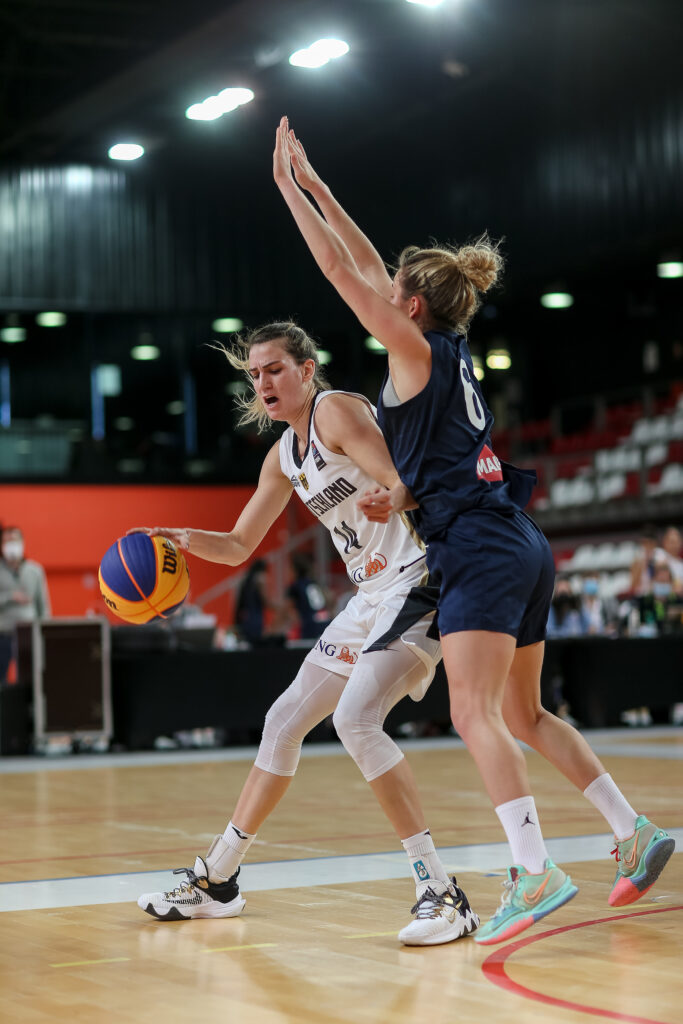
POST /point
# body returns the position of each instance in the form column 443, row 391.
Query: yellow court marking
column 370, row 935
column 83, row 963
column 225, row 949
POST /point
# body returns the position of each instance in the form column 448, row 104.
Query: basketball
column 143, row 578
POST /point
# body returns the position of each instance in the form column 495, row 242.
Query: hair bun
column 480, row 262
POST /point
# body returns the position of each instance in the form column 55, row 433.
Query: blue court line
column 305, row 873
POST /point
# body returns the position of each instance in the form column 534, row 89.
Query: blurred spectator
column 24, row 596
column 670, row 553
column 599, row 615
column 643, row 567
column 252, row 602
column 566, row 616
column 660, row 610
column 308, row 599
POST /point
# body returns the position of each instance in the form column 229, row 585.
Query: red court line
column 494, row 969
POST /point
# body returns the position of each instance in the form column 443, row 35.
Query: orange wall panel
column 68, row 528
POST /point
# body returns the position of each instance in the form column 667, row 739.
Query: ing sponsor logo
column 330, row 650
column 376, row 564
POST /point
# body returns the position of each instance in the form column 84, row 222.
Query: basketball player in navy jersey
column 494, row 565
column 374, row 653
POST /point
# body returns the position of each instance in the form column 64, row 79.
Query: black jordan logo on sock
column 242, row 835
column 527, row 821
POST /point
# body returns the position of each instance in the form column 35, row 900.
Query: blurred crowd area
column 632, row 588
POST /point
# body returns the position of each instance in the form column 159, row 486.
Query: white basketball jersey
column 377, row 555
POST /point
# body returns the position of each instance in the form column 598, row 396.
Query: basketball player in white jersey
column 374, row 653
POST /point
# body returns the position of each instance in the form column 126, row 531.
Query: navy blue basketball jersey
column 440, row 442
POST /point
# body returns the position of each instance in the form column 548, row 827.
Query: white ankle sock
column 424, row 860
column 520, row 821
column 227, row 852
column 606, row 796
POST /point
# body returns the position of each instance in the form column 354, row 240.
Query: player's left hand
column 376, row 505
column 282, row 160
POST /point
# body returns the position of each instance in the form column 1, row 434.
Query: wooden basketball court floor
column 327, row 889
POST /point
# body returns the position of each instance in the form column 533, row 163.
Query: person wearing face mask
column 658, row 608
column 24, row 595
column 566, row 617
column 598, row 616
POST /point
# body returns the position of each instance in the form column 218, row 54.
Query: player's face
column 406, row 303
column 280, row 382
column 398, row 299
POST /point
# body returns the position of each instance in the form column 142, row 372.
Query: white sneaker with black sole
column 196, row 896
column 440, row 916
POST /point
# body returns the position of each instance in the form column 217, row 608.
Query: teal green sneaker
column 526, row 899
column 640, row 861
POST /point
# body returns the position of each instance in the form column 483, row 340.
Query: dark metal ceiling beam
column 186, row 56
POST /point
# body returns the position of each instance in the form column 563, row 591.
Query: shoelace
column 509, row 886
column 615, row 853
column 185, row 886
column 429, row 902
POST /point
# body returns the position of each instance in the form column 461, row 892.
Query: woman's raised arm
column 410, row 354
column 367, row 259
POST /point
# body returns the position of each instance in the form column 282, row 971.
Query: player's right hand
column 306, row 177
column 179, row 535
column 376, row 505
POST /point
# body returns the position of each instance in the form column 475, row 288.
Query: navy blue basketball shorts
column 496, row 573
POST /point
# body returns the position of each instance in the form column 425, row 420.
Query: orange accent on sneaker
column 535, row 896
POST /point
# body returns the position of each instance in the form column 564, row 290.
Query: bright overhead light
column 478, row 367
column 126, row 151
column 145, row 352
column 176, row 407
column 50, row 319
column 319, row 53
column 214, row 107
column 373, row 344
column 202, row 112
column 232, row 98
column 670, row 269
column 124, row 423
column 498, row 359
column 12, row 334
column 236, row 387
column 557, row 300
column 426, row 3
column 324, row 357
column 225, row 324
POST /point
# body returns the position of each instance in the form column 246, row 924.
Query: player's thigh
column 379, row 680
column 477, row 664
column 340, row 645
column 310, row 697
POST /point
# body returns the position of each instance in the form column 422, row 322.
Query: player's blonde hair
column 295, row 342
column 450, row 279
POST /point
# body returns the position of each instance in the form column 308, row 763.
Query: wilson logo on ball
column 143, row 578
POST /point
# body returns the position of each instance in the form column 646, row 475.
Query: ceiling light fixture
column 225, row 324
column 214, row 107
column 557, row 300
column 12, row 334
column 374, row 345
column 498, row 359
column 670, row 269
column 319, row 53
column 144, row 353
column 50, row 319
column 126, row 151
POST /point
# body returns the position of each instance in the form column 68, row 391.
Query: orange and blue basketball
column 143, row 578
